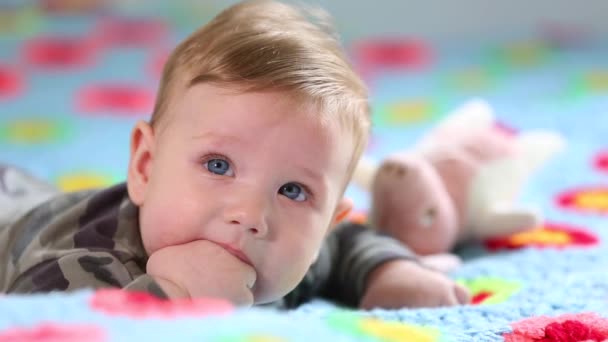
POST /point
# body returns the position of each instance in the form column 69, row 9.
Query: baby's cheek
column 299, row 262
column 163, row 225
column 282, row 273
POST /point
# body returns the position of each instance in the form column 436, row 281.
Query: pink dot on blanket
column 11, row 82
column 115, row 99
column 59, row 52
column 392, row 53
column 54, row 332
column 601, row 161
column 143, row 305
column 130, row 31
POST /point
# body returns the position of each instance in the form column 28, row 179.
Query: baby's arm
column 360, row 267
column 397, row 284
column 83, row 269
column 350, row 252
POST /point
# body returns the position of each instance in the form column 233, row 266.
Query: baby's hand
column 202, row 269
column 403, row 283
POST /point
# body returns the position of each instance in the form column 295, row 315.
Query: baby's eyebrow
column 312, row 174
column 318, row 180
column 217, row 137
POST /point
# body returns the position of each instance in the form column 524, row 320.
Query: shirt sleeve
column 79, row 270
column 349, row 254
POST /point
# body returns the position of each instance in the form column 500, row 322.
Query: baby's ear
column 343, row 209
column 140, row 162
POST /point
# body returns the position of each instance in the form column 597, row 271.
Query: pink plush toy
column 460, row 182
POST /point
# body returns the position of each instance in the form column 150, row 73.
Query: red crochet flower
column 53, row 332
column 588, row 327
column 549, row 235
column 585, row 200
column 142, row 305
column 571, row 331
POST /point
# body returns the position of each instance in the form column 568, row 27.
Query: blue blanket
column 71, row 88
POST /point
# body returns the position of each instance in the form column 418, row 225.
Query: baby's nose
column 257, row 229
column 249, row 215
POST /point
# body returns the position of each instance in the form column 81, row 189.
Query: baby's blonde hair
column 265, row 46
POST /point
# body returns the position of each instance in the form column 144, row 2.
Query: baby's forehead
column 240, row 107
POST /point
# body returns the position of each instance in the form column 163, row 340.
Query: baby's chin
column 264, row 295
column 267, row 291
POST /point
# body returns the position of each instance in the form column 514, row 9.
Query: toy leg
column 503, row 221
column 493, row 192
column 536, row 147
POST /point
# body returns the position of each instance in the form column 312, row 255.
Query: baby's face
column 251, row 171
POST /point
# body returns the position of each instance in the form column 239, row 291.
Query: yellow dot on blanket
column 597, row 80
column 585, row 199
column 32, row 131
column 398, row 332
column 406, row 112
column 596, row 199
column 471, row 79
column 381, row 331
column 553, row 235
column 83, row 181
column 541, row 236
column 527, row 53
column 23, row 20
column 489, row 290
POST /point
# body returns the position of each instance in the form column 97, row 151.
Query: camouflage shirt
column 91, row 239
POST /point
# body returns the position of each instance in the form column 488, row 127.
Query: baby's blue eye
column 219, row 167
column 293, row 191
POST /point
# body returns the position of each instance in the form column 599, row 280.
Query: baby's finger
column 449, row 299
column 462, row 294
column 243, row 298
column 251, row 277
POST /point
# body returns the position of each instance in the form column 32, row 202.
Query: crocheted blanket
column 71, row 87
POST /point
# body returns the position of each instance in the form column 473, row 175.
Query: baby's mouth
column 237, row 253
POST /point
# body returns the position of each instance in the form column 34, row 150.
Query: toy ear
column 402, row 165
column 396, row 168
column 364, row 173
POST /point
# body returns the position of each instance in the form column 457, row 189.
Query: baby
column 234, row 185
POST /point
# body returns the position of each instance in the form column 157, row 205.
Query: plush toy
column 461, row 181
